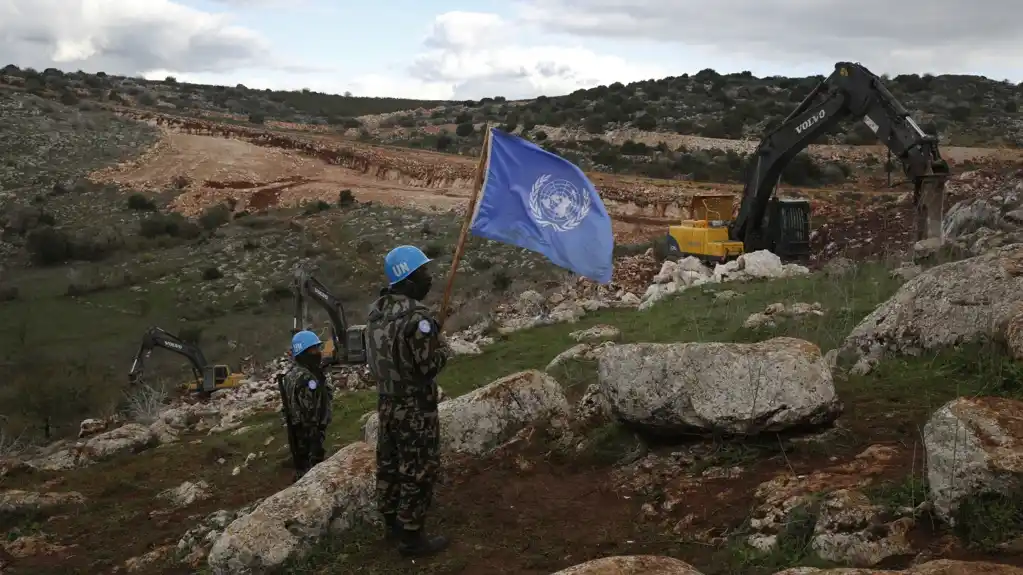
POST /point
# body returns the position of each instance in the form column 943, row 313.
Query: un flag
column 540, row 201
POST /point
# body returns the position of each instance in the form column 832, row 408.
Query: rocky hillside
column 300, row 106
column 690, row 127
column 964, row 110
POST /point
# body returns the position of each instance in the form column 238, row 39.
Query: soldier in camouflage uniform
column 308, row 399
column 405, row 352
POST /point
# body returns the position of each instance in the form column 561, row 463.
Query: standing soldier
column 405, row 352
column 308, row 400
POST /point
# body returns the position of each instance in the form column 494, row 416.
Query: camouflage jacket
column 309, row 397
column 403, row 345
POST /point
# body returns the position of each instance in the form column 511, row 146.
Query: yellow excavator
column 783, row 225
column 208, row 378
column 346, row 344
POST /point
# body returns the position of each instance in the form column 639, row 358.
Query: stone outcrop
column 333, row 497
column 718, row 387
column 483, row 419
column 947, row 305
column 974, row 446
column 632, row 565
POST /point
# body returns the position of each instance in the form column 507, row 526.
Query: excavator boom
column 851, row 91
column 347, row 341
column 207, row 377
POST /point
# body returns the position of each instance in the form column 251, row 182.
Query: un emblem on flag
column 558, row 204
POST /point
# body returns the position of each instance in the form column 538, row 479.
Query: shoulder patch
column 312, row 384
column 425, row 326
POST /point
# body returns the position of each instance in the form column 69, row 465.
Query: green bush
column 173, row 225
column 141, row 203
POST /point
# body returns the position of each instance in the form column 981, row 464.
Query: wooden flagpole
column 481, row 169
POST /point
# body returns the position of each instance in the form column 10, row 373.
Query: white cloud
column 123, row 36
column 966, row 36
column 470, row 55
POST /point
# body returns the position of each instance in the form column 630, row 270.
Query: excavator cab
column 216, row 377
column 788, row 227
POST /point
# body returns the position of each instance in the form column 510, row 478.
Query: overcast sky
column 442, row 49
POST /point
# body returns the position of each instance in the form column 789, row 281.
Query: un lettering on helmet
column 400, row 268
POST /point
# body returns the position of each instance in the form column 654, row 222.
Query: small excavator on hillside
column 782, row 226
column 351, row 350
column 208, row 378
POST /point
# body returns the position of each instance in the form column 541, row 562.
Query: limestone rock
column 973, row 446
column 16, row 501
column 723, row 387
column 483, row 419
column 632, row 565
column 947, row 305
column 333, row 497
column 130, row 437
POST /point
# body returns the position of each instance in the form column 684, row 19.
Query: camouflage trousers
column 408, row 456
column 308, row 448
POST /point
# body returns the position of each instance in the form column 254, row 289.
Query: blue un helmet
column 302, row 341
column 402, row 261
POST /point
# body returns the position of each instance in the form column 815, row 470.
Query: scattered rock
column 778, row 311
column 130, row 437
column 719, row 387
column 853, row 531
column 187, row 493
column 17, row 502
column 596, row 333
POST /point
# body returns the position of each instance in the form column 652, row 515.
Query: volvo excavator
column 208, row 378
column 782, row 226
column 346, row 345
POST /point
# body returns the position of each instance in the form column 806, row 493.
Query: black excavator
column 208, row 378
column 351, row 350
column 782, row 226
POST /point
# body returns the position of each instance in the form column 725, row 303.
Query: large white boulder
column 722, row 387
column 632, row 565
column 944, row 306
column 973, row 446
column 332, row 497
column 130, row 437
column 485, row 418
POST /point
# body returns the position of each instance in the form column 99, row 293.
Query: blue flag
column 539, row 201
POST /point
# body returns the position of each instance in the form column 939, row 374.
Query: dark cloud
column 910, row 35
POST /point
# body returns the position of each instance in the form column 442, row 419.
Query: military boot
column 418, row 544
column 392, row 528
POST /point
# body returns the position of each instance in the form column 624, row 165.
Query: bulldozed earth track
column 257, row 169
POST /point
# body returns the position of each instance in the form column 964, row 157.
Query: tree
column 645, row 122
column 594, row 124
column 465, row 129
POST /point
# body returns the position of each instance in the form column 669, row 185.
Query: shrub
column 141, row 203
column 345, row 198
column 214, row 217
column 464, row 130
column 212, row 273
column 48, row 246
column 173, row 225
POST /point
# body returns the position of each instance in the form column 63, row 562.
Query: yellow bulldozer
column 705, row 234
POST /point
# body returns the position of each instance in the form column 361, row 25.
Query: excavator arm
column 851, row 91
column 156, row 337
column 308, row 287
